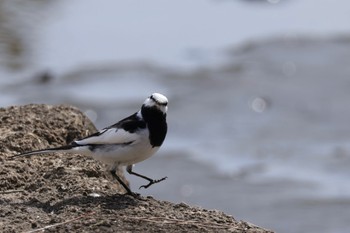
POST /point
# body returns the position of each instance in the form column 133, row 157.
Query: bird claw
column 152, row 182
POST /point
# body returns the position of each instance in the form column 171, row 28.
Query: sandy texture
column 71, row 193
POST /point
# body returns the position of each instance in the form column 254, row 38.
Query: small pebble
column 94, row 195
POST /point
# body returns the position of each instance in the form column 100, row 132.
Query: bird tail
column 68, row 148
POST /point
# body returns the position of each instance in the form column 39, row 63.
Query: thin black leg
column 151, row 181
column 114, row 174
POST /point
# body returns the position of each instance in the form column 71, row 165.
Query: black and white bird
column 125, row 143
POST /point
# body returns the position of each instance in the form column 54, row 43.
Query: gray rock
column 53, row 192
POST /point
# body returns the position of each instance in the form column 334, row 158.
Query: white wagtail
column 125, row 143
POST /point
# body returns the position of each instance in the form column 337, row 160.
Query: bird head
column 157, row 101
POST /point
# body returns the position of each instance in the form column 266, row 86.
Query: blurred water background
column 258, row 94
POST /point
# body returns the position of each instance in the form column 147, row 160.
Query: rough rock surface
column 72, row 193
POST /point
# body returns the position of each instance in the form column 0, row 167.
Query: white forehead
column 158, row 100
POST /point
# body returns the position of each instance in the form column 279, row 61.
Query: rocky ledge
column 72, row 193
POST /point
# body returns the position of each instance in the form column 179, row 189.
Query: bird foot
column 152, row 182
column 133, row 194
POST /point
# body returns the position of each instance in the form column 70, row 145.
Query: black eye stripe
column 152, row 98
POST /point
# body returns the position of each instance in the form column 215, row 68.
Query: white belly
column 114, row 148
column 120, row 154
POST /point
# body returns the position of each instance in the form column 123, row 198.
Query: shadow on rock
column 113, row 202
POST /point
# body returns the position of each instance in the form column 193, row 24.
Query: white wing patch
column 110, row 136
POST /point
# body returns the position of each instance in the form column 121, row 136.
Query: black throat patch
column 156, row 122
